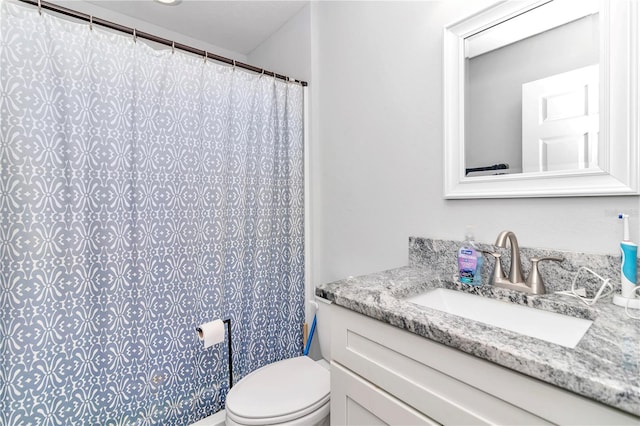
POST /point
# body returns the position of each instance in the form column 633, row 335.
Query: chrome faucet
column 516, row 281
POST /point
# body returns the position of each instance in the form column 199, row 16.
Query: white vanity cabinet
column 386, row 375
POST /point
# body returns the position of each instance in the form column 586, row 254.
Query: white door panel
column 560, row 121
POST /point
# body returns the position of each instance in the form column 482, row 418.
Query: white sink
column 550, row 326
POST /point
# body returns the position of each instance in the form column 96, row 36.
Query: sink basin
column 550, row 326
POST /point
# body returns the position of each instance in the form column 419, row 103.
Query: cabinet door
column 354, row 401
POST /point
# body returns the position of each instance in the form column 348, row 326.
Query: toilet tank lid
column 280, row 389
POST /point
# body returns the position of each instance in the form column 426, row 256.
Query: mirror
column 541, row 99
column 513, row 67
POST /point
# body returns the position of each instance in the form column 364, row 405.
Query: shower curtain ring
column 91, row 22
column 135, row 37
column 40, row 7
column 173, row 47
column 234, row 64
column 205, row 56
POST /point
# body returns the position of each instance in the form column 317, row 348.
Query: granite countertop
column 604, row 366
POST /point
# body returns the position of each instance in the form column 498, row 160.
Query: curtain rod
column 135, row 33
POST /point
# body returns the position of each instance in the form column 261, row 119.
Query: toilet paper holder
column 229, row 362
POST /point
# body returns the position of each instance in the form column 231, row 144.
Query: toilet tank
column 321, row 344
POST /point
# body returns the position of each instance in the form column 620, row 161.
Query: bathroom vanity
column 396, row 362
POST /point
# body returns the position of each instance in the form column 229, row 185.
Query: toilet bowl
column 293, row 391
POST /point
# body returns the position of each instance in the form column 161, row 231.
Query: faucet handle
column 534, row 281
column 498, row 273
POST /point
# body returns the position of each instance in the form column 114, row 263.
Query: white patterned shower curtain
column 142, row 193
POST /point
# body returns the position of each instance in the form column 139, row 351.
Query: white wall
column 376, row 107
column 288, row 51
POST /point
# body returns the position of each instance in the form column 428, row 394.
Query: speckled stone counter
column 605, row 365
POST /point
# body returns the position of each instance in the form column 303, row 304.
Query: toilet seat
column 281, row 392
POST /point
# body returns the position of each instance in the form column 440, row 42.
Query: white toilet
column 293, row 391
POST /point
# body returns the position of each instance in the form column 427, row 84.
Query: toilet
column 293, row 391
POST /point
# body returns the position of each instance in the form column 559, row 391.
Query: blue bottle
column 470, row 261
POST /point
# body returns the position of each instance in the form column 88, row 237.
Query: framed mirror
column 541, row 100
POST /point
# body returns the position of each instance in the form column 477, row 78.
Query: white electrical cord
column 581, row 294
column 626, row 307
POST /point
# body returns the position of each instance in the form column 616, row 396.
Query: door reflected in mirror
column 532, row 93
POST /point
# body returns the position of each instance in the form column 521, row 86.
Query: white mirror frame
column 617, row 172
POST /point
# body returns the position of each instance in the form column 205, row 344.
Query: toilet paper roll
column 211, row 332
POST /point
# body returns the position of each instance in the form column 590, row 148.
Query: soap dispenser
column 470, row 260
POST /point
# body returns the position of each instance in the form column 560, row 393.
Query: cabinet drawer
column 354, row 401
column 453, row 387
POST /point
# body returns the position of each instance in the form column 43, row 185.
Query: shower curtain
column 142, row 193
